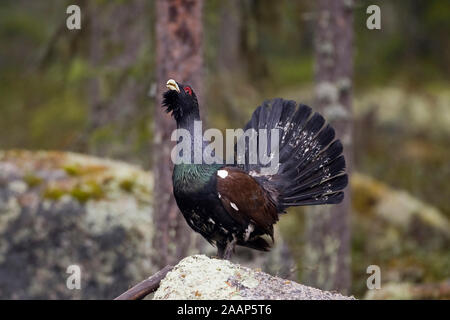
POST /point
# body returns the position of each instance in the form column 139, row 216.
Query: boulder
column 200, row 277
column 59, row 209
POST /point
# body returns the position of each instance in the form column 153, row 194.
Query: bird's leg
column 220, row 250
column 229, row 249
column 225, row 249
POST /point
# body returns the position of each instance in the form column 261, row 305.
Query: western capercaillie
column 238, row 204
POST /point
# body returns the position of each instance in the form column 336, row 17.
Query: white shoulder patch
column 234, row 206
column 222, row 173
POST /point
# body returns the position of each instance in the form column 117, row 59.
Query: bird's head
column 180, row 100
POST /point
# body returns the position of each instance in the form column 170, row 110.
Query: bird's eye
column 188, row 90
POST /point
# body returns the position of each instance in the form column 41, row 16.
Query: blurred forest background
column 94, row 91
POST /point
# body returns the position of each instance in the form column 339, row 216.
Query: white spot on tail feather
column 222, row 173
column 234, row 206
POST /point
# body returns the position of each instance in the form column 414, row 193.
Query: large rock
column 200, row 277
column 59, row 209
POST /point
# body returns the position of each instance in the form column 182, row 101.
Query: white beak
column 172, row 85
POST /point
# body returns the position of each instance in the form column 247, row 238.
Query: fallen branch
column 144, row 288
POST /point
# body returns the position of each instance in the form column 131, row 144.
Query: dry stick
column 143, row 288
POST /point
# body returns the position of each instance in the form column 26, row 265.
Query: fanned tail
column 311, row 167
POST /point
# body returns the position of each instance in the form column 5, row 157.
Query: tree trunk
column 327, row 253
column 179, row 55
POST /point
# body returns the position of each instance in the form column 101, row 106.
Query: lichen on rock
column 200, row 277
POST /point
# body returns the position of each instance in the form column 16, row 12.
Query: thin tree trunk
column 327, row 253
column 179, row 55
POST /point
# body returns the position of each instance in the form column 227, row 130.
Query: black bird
column 238, row 204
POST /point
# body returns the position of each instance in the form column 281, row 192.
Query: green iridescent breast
column 192, row 177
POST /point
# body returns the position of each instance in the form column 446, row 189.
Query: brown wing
column 245, row 200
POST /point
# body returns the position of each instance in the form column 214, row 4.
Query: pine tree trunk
column 327, row 248
column 179, row 55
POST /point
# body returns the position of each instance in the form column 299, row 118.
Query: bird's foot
column 225, row 250
column 229, row 249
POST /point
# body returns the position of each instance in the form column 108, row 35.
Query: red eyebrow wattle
column 188, row 90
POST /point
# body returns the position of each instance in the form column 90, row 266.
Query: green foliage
column 78, row 71
column 63, row 114
column 291, row 72
column 412, row 46
column 20, row 24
